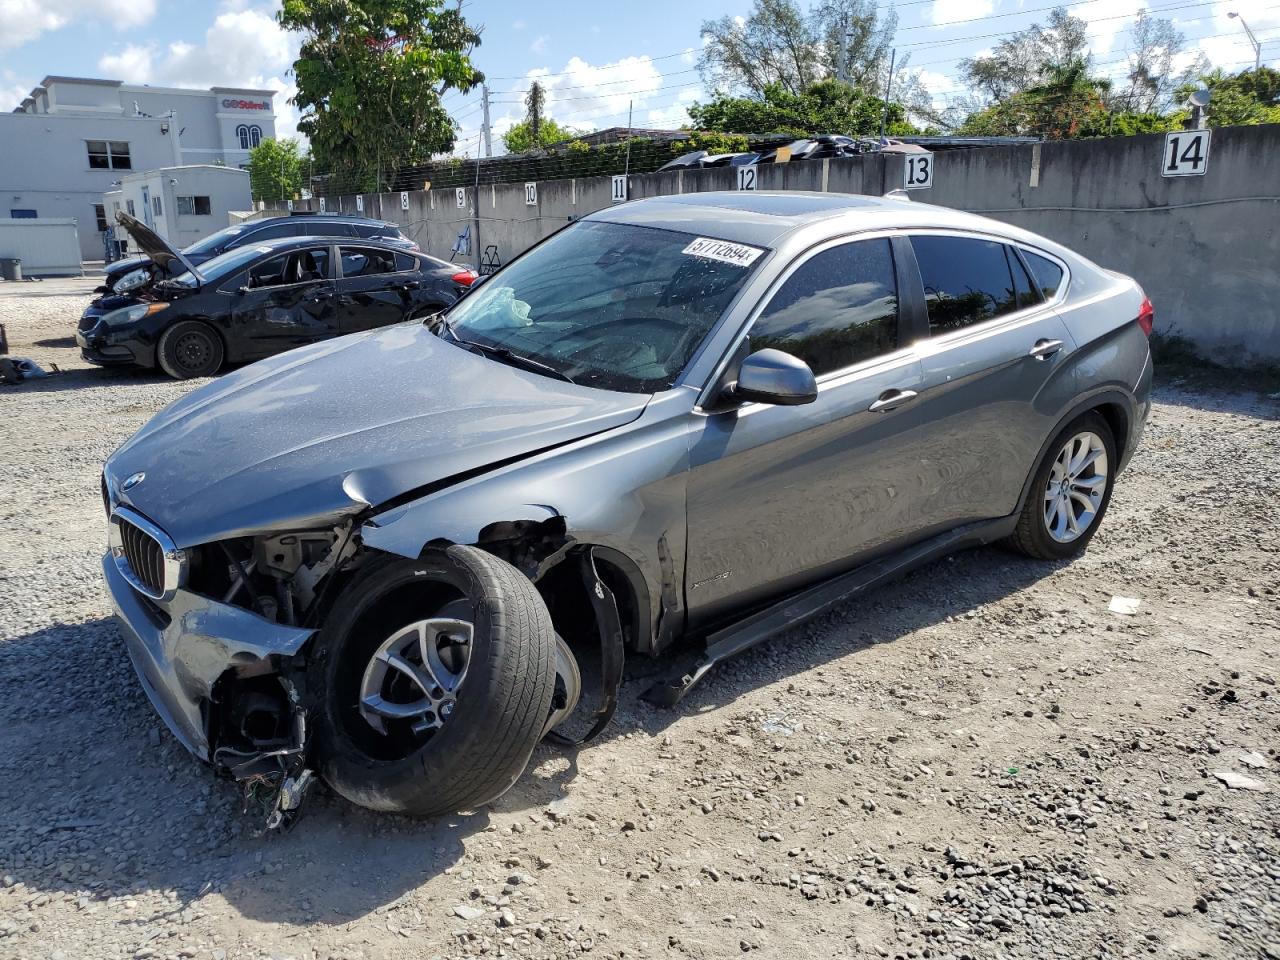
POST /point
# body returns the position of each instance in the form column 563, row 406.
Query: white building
column 182, row 204
column 74, row 139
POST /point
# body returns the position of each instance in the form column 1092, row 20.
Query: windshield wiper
column 506, row 355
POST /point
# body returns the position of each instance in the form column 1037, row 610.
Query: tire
column 484, row 737
column 1044, row 530
column 190, row 349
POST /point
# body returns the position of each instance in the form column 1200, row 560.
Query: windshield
column 213, row 241
column 211, row 271
column 607, row 305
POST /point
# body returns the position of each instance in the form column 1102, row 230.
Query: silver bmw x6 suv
column 699, row 418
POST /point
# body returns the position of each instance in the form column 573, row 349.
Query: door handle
column 410, row 285
column 892, row 399
column 1044, row 349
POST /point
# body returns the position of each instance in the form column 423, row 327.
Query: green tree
column 370, row 75
column 1028, row 59
column 1247, row 97
column 275, row 170
column 779, row 45
column 827, row 106
column 1063, row 105
column 521, row 138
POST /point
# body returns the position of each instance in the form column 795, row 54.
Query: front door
column 375, row 287
column 287, row 302
column 996, row 377
column 782, row 496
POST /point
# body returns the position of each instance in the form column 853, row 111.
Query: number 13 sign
column 918, row 172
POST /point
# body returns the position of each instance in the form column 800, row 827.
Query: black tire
column 190, row 349
column 1032, row 536
column 502, row 703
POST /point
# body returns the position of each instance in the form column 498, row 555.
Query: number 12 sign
column 1186, row 154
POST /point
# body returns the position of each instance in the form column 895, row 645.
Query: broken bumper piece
column 181, row 650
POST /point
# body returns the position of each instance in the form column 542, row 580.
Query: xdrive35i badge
column 133, row 481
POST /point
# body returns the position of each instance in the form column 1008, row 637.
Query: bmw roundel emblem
column 133, row 481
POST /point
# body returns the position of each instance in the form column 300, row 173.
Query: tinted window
column 1047, row 273
column 328, row 228
column 966, row 281
column 363, row 262
column 405, row 262
column 273, row 231
column 300, row 266
column 839, row 308
column 1028, row 295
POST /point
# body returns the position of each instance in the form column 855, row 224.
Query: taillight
column 464, row 278
column 1146, row 316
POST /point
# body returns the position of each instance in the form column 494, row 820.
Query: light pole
column 1257, row 47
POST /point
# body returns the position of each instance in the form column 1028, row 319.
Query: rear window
column 404, row 263
column 966, row 281
column 1047, row 273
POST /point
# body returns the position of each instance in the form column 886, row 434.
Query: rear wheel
column 1069, row 492
column 432, row 682
column 189, row 349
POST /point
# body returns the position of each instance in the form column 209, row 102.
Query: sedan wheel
column 1069, row 491
column 1077, row 481
column 189, row 349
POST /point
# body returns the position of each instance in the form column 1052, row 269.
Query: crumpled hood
column 327, row 429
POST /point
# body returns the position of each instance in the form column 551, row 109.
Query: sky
column 593, row 58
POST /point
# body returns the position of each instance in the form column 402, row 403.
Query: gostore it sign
column 234, row 104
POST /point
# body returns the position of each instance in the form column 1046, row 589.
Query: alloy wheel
column 410, row 685
column 1075, row 488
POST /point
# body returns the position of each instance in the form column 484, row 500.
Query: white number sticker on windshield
column 739, row 254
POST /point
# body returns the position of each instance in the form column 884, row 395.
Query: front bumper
column 108, row 349
column 180, row 650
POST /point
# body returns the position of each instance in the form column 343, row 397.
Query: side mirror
column 772, row 376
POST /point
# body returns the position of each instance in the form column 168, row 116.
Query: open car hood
column 169, row 258
column 328, row 430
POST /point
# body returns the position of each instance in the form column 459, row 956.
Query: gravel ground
column 979, row 761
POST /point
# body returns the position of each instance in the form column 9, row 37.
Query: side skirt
column 818, row 599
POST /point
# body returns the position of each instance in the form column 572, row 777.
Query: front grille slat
column 144, row 555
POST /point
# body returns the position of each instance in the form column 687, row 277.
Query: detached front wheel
column 432, row 682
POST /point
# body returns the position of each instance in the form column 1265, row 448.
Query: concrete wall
column 47, row 247
column 1205, row 248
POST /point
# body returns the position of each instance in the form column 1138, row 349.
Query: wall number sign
column 619, row 188
column 322, row 204
column 360, row 203
column 530, row 194
column 918, row 172
column 746, row 178
column 1186, row 154
column 404, row 199
column 460, row 194
column 290, row 205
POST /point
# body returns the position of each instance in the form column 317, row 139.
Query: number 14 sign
column 1186, row 154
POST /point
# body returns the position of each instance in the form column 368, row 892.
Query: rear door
column 780, row 496
column 996, row 376
column 375, row 287
column 285, row 301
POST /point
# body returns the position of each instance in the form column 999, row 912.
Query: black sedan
column 256, row 301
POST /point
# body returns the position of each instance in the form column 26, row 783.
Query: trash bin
column 10, row 268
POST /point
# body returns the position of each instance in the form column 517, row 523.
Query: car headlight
column 117, row 318
column 132, row 281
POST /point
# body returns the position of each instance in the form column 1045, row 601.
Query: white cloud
column 948, row 11
column 24, row 20
column 938, row 84
column 244, row 47
column 1109, row 21
column 539, row 44
column 518, row 25
column 1226, row 44
column 13, row 90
